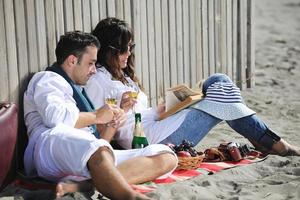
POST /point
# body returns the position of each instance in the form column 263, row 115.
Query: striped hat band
column 223, row 92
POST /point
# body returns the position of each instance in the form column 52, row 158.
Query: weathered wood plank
column 32, row 36
column 193, row 50
column 166, row 41
column 13, row 78
column 127, row 12
column 158, row 50
column 41, row 35
column 241, row 63
column 179, row 42
column 94, row 13
column 211, row 37
column 204, row 20
column 68, row 15
column 111, row 8
column 186, row 42
column 144, row 47
column 4, row 94
column 137, row 34
column 199, row 46
column 102, row 9
column 229, row 38
column 86, row 15
column 59, row 18
column 223, row 37
column 250, row 44
column 78, row 17
column 50, row 24
column 21, row 34
column 120, row 9
column 217, row 34
column 173, row 43
column 151, row 52
column 234, row 39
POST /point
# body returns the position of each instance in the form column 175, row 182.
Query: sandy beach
column 275, row 98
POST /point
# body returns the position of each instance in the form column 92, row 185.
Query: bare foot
column 63, row 188
column 283, row 148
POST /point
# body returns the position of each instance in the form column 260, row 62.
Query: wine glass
column 134, row 93
column 111, row 97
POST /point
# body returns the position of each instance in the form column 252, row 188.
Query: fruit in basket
column 184, row 149
column 183, row 154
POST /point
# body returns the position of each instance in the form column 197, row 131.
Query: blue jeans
column 198, row 123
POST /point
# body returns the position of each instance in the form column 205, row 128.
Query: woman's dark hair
column 74, row 43
column 115, row 34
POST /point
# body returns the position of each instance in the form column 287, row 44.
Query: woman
column 116, row 76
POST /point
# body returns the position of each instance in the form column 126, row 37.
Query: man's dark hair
column 74, row 43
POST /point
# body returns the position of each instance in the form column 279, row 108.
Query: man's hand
column 119, row 119
column 108, row 130
column 107, row 113
column 127, row 101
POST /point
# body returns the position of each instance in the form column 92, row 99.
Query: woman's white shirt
column 102, row 84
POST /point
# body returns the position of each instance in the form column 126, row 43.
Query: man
column 64, row 142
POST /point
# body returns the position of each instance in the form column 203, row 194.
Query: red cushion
column 8, row 137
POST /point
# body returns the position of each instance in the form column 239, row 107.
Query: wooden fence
column 177, row 41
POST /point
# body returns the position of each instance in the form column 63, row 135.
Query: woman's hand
column 161, row 108
column 127, row 102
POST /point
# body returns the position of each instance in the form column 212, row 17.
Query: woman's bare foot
column 283, row 148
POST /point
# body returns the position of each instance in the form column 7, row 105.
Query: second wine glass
column 111, row 97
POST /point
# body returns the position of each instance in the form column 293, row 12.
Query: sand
column 275, row 98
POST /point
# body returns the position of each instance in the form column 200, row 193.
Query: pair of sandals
column 230, row 151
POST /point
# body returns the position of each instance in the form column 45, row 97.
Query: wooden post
column 250, row 45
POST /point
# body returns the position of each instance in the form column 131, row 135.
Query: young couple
column 69, row 137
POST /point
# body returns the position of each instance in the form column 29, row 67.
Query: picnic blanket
column 203, row 168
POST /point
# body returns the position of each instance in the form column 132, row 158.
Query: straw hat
column 223, row 100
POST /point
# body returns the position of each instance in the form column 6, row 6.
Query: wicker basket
column 189, row 162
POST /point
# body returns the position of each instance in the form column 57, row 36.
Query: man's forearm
column 106, row 132
column 85, row 119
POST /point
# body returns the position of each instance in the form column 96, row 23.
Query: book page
column 180, row 97
column 174, row 108
column 183, row 91
column 171, row 100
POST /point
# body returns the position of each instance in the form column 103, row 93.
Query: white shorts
column 63, row 153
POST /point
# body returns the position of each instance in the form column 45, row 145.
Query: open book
column 180, row 97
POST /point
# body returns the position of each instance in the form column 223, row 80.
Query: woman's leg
column 254, row 129
column 194, row 127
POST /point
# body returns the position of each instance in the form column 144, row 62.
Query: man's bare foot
column 63, row 188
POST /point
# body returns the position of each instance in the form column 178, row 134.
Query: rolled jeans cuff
column 269, row 138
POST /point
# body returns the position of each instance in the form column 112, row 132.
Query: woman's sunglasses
column 130, row 47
